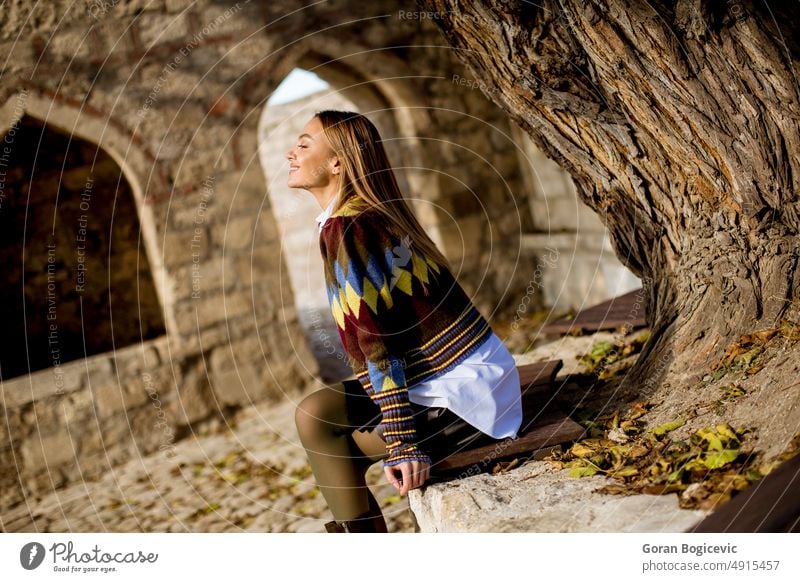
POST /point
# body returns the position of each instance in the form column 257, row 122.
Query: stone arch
column 72, row 253
column 132, row 158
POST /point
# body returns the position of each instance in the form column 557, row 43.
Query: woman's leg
column 338, row 454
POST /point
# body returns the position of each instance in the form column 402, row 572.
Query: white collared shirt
column 323, row 216
column 483, row 389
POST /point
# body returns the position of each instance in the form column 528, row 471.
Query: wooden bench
column 625, row 310
column 543, row 427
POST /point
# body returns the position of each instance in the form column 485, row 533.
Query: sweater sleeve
column 371, row 266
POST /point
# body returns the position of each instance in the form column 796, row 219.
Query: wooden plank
column 623, row 310
column 538, row 373
column 542, row 427
column 552, row 428
column 536, row 380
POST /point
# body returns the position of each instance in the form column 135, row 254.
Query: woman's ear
column 336, row 167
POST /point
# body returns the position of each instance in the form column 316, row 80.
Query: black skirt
column 440, row 431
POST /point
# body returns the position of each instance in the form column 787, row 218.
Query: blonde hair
column 368, row 177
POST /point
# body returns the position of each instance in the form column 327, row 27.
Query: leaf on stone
column 720, row 372
column 667, row 427
column 748, row 356
column 627, row 471
column 585, row 471
column 638, row 409
column 731, row 391
column 580, row 450
column 754, row 369
column 711, row 438
column 726, row 431
column 721, row 458
column 790, row 330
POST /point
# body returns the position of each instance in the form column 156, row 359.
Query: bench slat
column 541, row 427
column 624, row 310
column 554, row 428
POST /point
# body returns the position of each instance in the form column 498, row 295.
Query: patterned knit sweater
column 402, row 318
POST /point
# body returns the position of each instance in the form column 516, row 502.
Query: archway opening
column 291, row 105
column 77, row 279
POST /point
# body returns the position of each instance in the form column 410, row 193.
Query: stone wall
column 173, row 91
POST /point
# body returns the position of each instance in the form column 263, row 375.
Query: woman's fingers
column 408, row 477
column 413, row 475
column 389, row 471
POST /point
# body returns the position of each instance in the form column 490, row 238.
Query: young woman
column 431, row 375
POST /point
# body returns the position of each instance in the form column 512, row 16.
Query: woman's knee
column 317, row 414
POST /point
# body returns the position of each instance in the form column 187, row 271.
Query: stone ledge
column 539, row 498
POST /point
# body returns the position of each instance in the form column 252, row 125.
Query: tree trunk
column 679, row 124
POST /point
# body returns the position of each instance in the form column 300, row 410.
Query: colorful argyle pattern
column 401, row 317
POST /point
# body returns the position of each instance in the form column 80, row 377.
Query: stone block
column 207, row 311
column 153, row 426
column 267, row 230
column 191, row 401
column 235, row 234
column 100, row 369
column 75, row 409
column 177, row 5
column 240, row 191
column 538, row 498
column 189, row 173
column 42, row 453
column 244, row 351
column 154, row 28
column 42, row 384
column 182, row 247
column 113, row 398
column 131, row 360
column 240, row 387
column 194, row 209
column 208, row 276
column 261, row 264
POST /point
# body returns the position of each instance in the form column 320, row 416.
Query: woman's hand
column 413, row 475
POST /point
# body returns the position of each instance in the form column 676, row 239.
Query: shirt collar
column 323, row 216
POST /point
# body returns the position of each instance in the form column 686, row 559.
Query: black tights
column 339, row 454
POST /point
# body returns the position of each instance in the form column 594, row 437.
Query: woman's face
column 312, row 162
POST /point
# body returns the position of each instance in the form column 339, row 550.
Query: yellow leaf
column 721, row 458
column 581, row 450
column 586, row 471
column 726, row 431
column 627, row 471
column 667, row 427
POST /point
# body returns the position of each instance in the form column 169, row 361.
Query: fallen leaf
column 720, row 458
column 667, row 427
column 585, row 471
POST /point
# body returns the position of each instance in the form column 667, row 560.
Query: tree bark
column 680, row 125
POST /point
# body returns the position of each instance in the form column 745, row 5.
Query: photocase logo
column 31, row 555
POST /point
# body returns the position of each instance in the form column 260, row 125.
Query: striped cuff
column 403, row 453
